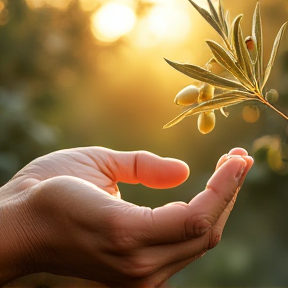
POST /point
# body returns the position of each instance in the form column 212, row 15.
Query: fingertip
column 238, row 151
column 249, row 160
column 161, row 172
column 245, row 163
column 181, row 169
column 221, row 161
column 235, row 152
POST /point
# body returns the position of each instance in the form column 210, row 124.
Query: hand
column 63, row 214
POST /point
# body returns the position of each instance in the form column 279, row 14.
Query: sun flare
column 112, row 21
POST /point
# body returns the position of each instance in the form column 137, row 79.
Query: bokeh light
column 162, row 24
column 4, row 13
column 112, row 21
column 251, row 113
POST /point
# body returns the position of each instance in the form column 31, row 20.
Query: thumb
column 181, row 221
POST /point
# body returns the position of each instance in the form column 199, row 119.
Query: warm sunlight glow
column 164, row 22
column 2, row 6
column 202, row 3
column 59, row 4
column 150, row 30
column 88, row 5
column 112, row 21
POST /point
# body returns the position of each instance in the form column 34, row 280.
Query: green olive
column 206, row 122
column 206, row 93
column 272, row 96
column 187, row 96
column 251, row 113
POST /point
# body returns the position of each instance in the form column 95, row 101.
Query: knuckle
column 197, row 225
column 214, row 238
column 224, row 198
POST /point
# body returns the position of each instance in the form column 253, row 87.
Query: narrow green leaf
column 176, row 119
column 225, row 59
column 214, row 13
column 222, row 100
column 248, row 64
column 227, row 18
column 274, row 53
column 205, row 14
column 241, row 50
column 222, row 17
column 227, row 24
column 235, row 39
column 218, row 102
column 238, row 93
column 258, row 38
column 206, row 76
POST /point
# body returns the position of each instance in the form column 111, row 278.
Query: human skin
column 63, row 214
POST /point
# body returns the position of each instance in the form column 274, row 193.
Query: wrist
column 9, row 250
column 14, row 248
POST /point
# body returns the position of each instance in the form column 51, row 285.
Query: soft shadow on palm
column 86, row 164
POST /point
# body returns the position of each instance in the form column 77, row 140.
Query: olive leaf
column 241, row 50
column 206, row 76
column 247, row 67
column 274, row 53
column 220, row 101
column 205, row 14
column 214, row 14
column 224, row 58
column 235, row 39
column 258, row 39
column 223, row 19
column 221, row 13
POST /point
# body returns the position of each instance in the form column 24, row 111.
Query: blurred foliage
column 60, row 87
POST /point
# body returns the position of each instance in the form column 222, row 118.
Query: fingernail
column 233, row 156
column 241, row 169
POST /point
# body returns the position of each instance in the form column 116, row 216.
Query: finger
column 169, row 270
column 234, row 151
column 145, row 168
column 167, row 254
column 159, row 278
column 180, row 221
column 221, row 188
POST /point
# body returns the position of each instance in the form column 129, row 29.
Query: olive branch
column 244, row 63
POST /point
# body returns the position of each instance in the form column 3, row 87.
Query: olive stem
column 274, row 108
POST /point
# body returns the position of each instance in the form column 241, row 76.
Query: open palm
column 73, row 195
